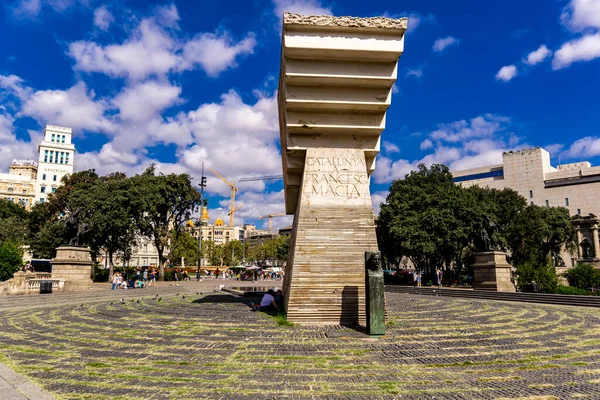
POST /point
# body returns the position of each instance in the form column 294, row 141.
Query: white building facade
column 56, row 159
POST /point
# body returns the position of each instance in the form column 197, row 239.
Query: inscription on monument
column 340, row 176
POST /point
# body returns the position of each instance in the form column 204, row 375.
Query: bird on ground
column 111, row 303
column 159, row 299
column 138, row 301
column 81, row 305
column 183, row 297
column 177, row 294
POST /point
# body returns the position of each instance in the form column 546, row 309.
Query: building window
column 66, row 158
column 566, row 201
column 45, row 155
column 53, row 138
column 531, row 194
column 63, row 139
column 11, row 189
column 42, row 200
column 547, row 204
column 579, row 211
column 43, row 177
column 43, row 188
column 53, row 190
column 51, row 156
column 62, row 157
column 531, row 203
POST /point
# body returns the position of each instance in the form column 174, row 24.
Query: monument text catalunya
column 336, row 82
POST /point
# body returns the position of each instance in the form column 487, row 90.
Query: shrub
column 100, row 274
column 561, row 289
column 11, row 260
column 583, row 276
column 543, row 275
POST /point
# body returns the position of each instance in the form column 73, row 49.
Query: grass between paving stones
column 198, row 347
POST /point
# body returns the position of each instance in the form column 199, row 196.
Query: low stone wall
column 29, row 283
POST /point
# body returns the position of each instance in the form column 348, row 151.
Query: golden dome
column 219, row 222
column 204, row 213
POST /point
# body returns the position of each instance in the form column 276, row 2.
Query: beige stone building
column 575, row 186
column 19, row 184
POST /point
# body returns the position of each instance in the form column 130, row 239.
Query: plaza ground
column 200, row 344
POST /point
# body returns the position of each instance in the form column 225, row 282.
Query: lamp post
column 203, row 203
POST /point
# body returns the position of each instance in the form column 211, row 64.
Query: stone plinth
column 492, row 272
column 335, row 86
column 74, row 265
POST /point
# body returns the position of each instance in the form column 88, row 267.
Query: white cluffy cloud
column 506, row 73
column 103, row 18
column 155, row 42
column 583, row 49
column 461, row 145
column 537, row 56
column 305, row 7
column 442, row 43
column 417, row 73
column 580, row 16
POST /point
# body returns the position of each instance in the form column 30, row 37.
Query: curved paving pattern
column 212, row 346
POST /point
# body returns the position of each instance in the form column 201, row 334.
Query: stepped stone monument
column 492, row 272
column 336, row 81
column 73, row 264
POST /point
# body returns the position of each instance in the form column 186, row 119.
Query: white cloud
column 103, row 18
column 390, row 147
column 585, row 48
column 580, row 15
column 75, row 107
column 442, row 43
column 154, row 49
column 144, row 101
column 215, row 53
column 554, row 148
column 306, row 7
column 29, row 9
column 484, row 126
column 506, row 73
column 416, row 19
column 388, row 170
column 490, row 157
column 586, row 147
column 417, row 73
column 426, row 144
column 10, row 146
column 377, row 199
column 538, row 55
column 14, row 85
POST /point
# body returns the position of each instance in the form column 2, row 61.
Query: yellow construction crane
column 232, row 208
column 270, row 216
column 237, row 208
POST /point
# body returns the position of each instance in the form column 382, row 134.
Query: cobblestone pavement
column 212, row 346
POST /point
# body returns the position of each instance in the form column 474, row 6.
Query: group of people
column 437, row 278
column 143, row 279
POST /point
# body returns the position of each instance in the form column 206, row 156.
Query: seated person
column 268, row 302
column 279, row 299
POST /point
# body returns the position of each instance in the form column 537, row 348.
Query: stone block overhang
column 335, row 86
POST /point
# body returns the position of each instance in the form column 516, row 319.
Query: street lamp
column 203, row 203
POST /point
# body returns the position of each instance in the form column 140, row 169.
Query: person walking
column 419, row 276
column 145, row 275
column 115, row 279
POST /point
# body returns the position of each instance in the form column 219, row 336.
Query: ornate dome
column 204, row 213
column 219, row 222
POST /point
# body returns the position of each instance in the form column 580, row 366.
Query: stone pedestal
column 492, row 272
column 335, row 86
column 74, row 265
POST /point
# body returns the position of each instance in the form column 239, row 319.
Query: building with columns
column 28, row 181
column 575, row 186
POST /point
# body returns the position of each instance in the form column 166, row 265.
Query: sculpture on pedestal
column 335, row 86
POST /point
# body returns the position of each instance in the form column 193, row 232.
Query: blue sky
column 179, row 83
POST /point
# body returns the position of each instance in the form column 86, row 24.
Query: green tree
column 426, row 217
column 187, row 248
column 47, row 239
column 11, row 260
column 166, row 203
column 233, row 251
column 13, row 223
